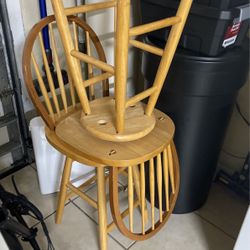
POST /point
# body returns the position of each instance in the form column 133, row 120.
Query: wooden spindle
column 121, row 61
column 42, row 86
column 171, row 168
column 166, row 177
column 146, row 47
column 152, row 191
column 130, row 198
column 49, row 76
column 89, row 7
column 75, row 37
column 145, row 28
column 63, row 27
column 58, row 69
column 136, row 176
column 90, row 59
column 159, row 184
column 90, row 68
column 72, row 91
column 142, row 180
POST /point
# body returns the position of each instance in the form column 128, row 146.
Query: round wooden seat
column 101, row 121
column 108, row 153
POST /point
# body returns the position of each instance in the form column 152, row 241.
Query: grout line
column 83, row 212
column 46, row 217
column 33, row 167
column 131, row 245
column 85, row 191
column 97, row 224
column 214, row 225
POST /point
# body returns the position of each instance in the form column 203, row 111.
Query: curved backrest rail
column 154, row 188
column 58, row 95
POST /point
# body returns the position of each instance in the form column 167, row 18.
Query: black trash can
column 199, row 94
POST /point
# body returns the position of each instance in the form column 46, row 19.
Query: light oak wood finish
column 171, row 168
column 52, row 113
column 121, row 61
column 91, row 60
column 130, row 198
column 63, row 189
column 148, row 232
column 72, row 63
column 101, row 122
column 145, row 28
column 44, row 91
column 168, row 53
column 133, row 100
column 102, row 209
column 48, row 111
column 89, row 7
column 141, row 132
column 146, row 47
column 159, row 184
column 58, row 69
column 115, row 154
column 90, row 69
column 142, row 191
column 152, row 191
column 166, row 178
column 137, row 186
column 123, row 32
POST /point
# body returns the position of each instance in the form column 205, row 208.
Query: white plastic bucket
column 50, row 162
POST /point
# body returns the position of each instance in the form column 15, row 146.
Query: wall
column 236, row 144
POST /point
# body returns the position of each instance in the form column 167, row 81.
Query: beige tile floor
column 213, row 227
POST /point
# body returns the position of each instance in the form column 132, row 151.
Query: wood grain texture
column 102, row 208
column 145, row 28
column 101, row 122
column 166, row 178
column 152, row 191
column 114, row 204
column 68, row 45
column 171, row 168
column 89, row 7
column 146, row 47
column 131, row 198
column 168, row 54
column 63, row 189
column 121, row 62
column 72, row 133
column 47, row 111
column 159, row 184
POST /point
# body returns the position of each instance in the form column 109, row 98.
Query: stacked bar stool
column 124, row 135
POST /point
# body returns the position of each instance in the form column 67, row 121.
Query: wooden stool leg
column 63, row 189
column 102, row 208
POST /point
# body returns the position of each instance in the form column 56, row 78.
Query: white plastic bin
column 50, row 162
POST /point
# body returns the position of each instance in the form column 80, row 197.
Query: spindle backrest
column 123, row 36
column 59, row 97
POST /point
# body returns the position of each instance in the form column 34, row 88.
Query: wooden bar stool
column 122, row 135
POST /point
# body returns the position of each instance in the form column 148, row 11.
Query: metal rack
column 11, row 99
